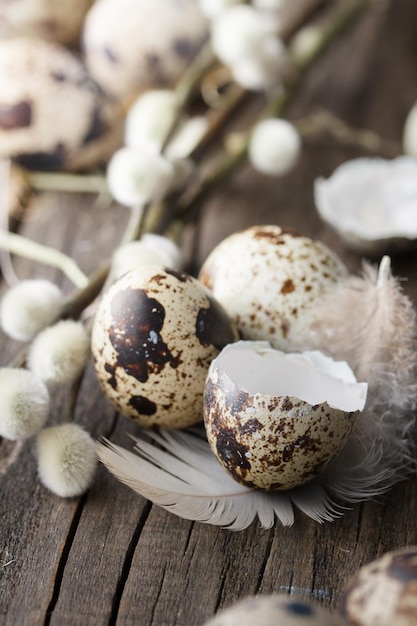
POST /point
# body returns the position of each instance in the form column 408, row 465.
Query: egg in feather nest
column 275, row 420
column 154, row 336
column 268, row 279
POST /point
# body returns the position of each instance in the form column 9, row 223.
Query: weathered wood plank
column 111, row 557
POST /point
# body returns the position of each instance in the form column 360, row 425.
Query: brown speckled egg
column 268, row 278
column 155, row 334
column 383, row 592
column 275, row 420
column 59, row 21
column 52, row 115
column 134, row 45
column 274, row 610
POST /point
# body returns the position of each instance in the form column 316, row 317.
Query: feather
column 365, row 320
column 369, row 322
column 178, row 471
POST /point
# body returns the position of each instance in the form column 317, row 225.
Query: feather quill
column 178, row 471
column 369, row 322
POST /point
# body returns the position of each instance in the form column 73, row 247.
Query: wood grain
column 111, row 557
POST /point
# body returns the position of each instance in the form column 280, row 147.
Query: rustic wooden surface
column 111, row 557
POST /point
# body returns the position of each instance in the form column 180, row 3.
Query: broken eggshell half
column 275, row 420
column 371, row 203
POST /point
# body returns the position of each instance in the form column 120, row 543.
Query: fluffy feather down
column 369, row 322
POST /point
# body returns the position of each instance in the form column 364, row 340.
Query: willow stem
column 79, row 183
column 324, row 123
column 16, row 244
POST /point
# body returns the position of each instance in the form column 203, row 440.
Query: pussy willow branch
column 337, row 18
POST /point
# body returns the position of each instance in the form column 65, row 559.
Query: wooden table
column 111, row 557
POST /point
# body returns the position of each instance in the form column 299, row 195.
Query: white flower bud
column 274, row 147
column 24, row 403
column 187, row 137
column 239, row 33
column 59, row 353
column 150, row 250
column 150, row 118
column 136, row 177
column 271, row 5
column 28, row 307
column 264, row 70
column 410, row 132
column 213, row 8
column 66, row 459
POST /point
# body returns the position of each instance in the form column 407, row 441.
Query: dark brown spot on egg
column 287, row 405
column 299, row 608
column 181, row 276
column 44, row 161
column 97, row 128
column 288, row 286
column 252, row 425
column 232, row 453
column 135, row 334
column 303, row 443
column 110, row 369
column 213, row 326
column 15, row 115
column 143, row 405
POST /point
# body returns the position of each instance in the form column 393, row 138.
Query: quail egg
column 55, row 21
column 383, row 592
column 275, row 420
column 273, row 610
column 134, row 45
column 155, row 334
column 52, row 115
column 268, row 279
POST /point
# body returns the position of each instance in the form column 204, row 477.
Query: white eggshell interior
column 371, row 198
column 310, row 376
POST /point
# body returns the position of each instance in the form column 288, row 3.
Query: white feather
column 178, row 471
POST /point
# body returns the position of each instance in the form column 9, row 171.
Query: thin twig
column 16, row 244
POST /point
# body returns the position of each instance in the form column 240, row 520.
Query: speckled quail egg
column 52, row 115
column 268, row 279
column 273, row 610
column 134, row 45
column 383, row 592
column 275, row 420
column 48, row 19
column 155, row 334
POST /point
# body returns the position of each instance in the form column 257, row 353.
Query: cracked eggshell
column 383, row 592
column 60, row 21
column 267, row 278
column 274, row 610
column 275, row 420
column 155, row 334
column 371, row 204
column 52, row 115
column 136, row 45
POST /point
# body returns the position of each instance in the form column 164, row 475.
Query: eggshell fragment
column 52, row 115
column 371, row 203
column 268, row 279
column 383, row 592
column 274, row 610
column 275, row 420
column 134, row 45
column 155, row 334
column 60, row 21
